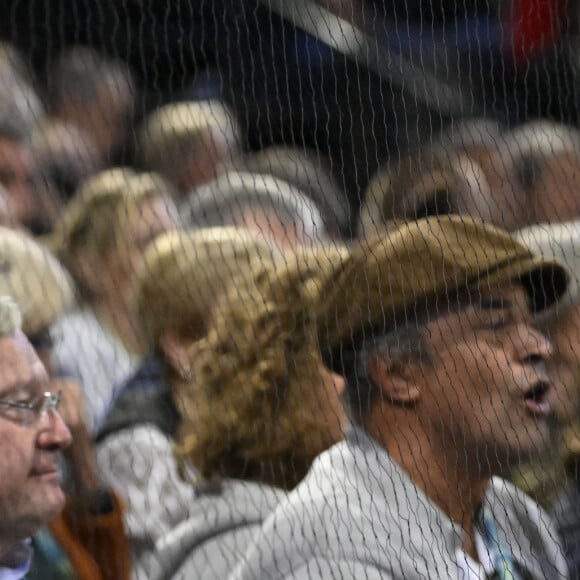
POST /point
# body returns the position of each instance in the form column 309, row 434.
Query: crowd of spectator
column 211, row 367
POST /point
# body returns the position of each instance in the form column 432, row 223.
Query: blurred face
column 106, row 117
column 521, row 191
column 552, row 186
column 564, row 368
column 17, row 176
column 30, row 487
column 500, row 198
column 153, row 217
column 488, row 386
column 111, row 114
column 201, row 164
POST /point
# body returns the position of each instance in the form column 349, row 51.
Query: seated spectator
column 33, row 435
column 178, row 281
column 66, row 156
column 311, row 175
column 555, row 479
column 258, row 409
column 429, row 181
column 548, row 162
column 100, row 239
column 35, row 207
column 95, row 93
column 187, row 142
column 526, row 176
column 447, row 387
column 278, row 212
column 498, row 196
column 474, row 169
column 89, row 534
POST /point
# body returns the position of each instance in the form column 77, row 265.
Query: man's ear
column 395, row 375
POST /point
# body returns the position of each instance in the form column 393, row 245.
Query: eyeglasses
column 28, row 413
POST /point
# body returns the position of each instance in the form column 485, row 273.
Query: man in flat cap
column 432, row 325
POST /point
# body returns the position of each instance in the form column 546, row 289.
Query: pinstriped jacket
column 358, row 515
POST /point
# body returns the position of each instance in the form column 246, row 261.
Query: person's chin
column 55, row 503
column 532, row 442
column 49, row 490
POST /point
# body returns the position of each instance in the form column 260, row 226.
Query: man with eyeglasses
column 32, row 434
column 87, row 539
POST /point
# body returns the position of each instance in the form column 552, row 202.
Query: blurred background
column 300, row 76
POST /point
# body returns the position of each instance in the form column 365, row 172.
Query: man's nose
column 54, row 434
column 531, row 346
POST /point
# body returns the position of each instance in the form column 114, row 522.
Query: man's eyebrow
column 35, row 386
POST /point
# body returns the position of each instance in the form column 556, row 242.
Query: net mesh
column 305, row 273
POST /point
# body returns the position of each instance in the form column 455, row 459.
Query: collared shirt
column 468, row 568
column 16, row 563
column 358, row 514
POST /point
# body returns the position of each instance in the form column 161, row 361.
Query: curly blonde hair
column 251, row 411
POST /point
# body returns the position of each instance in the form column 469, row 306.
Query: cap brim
column 430, row 258
column 344, row 320
column 544, row 281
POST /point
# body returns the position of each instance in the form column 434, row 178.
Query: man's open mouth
column 536, row 400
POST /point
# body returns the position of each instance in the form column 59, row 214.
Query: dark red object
column 533, row 27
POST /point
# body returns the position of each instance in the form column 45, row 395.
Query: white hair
column 544, row 138
column 559, row 242
column 215, row 204
column 10, row 317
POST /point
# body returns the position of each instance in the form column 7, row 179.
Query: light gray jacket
column 86, row 350
column 358, row 515
column 216, row 534
column 139, row 464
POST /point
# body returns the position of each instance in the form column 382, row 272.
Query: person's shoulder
column 522, row 518
column 503, row 493
column 251, row 497
column 322, row 569
column 333, row 515
column 514, row 505
column 78, row 320
column 221, row 523
column 144, row 434
column 81, row 333
column 141, row 442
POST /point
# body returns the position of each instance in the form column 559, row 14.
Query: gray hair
column 308, row 173
column 404, row 338
column 218, row 203
column 10, row 317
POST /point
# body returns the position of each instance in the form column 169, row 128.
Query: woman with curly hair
column 260, row 407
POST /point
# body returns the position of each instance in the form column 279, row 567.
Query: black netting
column 289, row 289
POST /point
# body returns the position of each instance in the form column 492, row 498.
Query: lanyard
column 504, row 564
